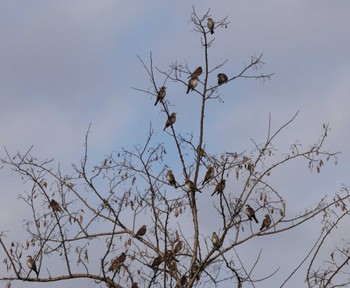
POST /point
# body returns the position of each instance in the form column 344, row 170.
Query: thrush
column 196, row 73
column 192, row 83
column 142, row 231
column 32, row 266
column 209, row 175
column 215, row 239
column 156, row 262
column 201, row 152
column 171, row 120
column 55, row 206
column 171, row 178
column 178, row 247
column 222, row 78
column 190, row 187
column 266, row 222
column 250, row 213
column 117, row 262
column 161, row 94
column 219, row 187
column 211, row 25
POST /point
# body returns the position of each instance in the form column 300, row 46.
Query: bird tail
column 155, row 104
column 188, row 90
column 256, row 220
column 212, row 31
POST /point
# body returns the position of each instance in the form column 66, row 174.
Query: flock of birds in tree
column 190, row 187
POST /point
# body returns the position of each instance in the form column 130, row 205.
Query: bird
column 219, row 187
column 32, row 266
column 222, row 78
column 266, row 222
column 156, row 262
column 209, row 175
column 171, row 178
column 196, row 72
column 142, row 231
column 201, row 152
column 211, row 25
column 134, row 285
column 178, row 247
column 55, row 206
column 117, row 262
column 171, row 120
column 192, row 83
column 215, row 239
column 190, row 187
column 160, row 95
column 250, row 213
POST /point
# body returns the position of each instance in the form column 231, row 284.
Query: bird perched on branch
column 171, row 178
column 222, row 78
column 266, row 222
column 178, row 247
column 215, row 239
column 192, row 83
column 209, row 175
column 220, row 187
column 156, row 262
column 250, row 213
column 31, row 265
column 117, row 262
column 55, row 206
column 190, row 187
column 171, row 120
column 196, row 73
column 211, row 25
column 201, row 152
column 161, row 94
column 142, row 231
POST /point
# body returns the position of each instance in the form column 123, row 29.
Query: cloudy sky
column 67, row 64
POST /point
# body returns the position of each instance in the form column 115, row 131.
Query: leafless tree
column 90, row 223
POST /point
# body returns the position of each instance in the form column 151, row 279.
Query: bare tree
column 120, row 222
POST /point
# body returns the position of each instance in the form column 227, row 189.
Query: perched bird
column 171, row 178
column 183, row 280
column 196, row 73
column 156, row 262
column 250, row 213
column 55, row 206
column 222, row 78
column 117, row 262
column 209, row 175
column 190, row 187
column 161, row 94
column 211, row 25
column 201, row 152
column 215, row 239
column 32, row 266
column 171, row 120
column 134, row 285
column 266, row 222
column 178, row 247
column 220, row 187
column 192, row 83
column 142, row 231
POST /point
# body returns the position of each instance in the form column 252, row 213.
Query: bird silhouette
column 266, row 222
column 211, row 25
column 250, row 213
column 170, row 121
column 220, row 187
column 160, row 95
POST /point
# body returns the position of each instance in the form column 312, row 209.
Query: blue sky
column 66, row 64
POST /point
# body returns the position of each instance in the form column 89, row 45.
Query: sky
column 67, row 64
